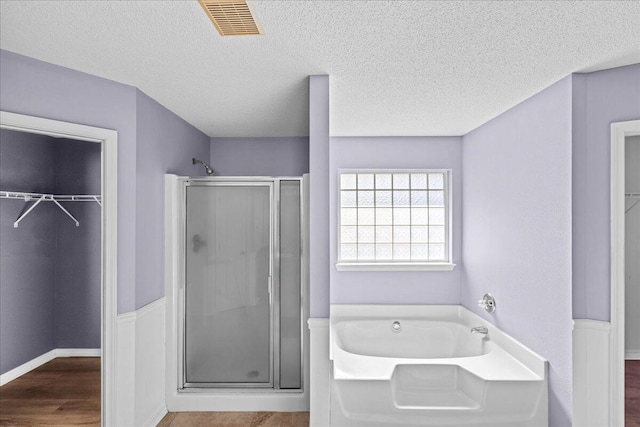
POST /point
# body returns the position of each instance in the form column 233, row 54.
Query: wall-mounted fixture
column 488, row 303
column 207, row 168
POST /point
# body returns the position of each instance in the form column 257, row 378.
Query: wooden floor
column 632, row 393
column 63, row 392
column 236, row 419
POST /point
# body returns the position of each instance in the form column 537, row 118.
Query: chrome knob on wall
column 488, row 303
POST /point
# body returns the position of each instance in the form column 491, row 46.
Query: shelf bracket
column 15, row 224
column 66, row 211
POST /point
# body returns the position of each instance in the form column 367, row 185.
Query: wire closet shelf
column 632, row 196
column 55, row 198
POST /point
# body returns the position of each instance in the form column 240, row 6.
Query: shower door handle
column 270, row 289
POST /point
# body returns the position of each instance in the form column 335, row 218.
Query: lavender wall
column 165, row 144
column 517, row 230
column 27, row 267
column 286, row 156
column 319, row 249
column 599, row 99
column 78, row 252
column 36, row 88
column 410, row 287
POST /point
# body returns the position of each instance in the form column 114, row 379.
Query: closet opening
column 57, row 271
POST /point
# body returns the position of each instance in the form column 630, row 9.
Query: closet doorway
column 74, row 143
column 625, row 287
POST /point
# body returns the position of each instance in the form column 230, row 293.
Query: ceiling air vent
column 231, row 17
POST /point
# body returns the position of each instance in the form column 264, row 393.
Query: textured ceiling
column 397, row 67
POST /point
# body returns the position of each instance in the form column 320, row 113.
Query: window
column 395, row 220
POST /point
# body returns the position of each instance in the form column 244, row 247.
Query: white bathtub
column 432, row 371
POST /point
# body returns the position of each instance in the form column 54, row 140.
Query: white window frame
column 391, row 265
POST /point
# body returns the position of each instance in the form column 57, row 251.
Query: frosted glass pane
column 348, row 181
column 384, row 234
column 418, row 181
column 436, row 252
column 366, row 216
column 365, row 181
column 366, row 252
column 400, row 181
column 383, row 198
column 436, row 198
column 401, row 216
column 436, row 216
column 366, row 234
column 400, row 198
column 348, row 199
column 419, row 234
column 436, row 234
column 402, row 252
column 348, row 216
column 401, row 234
column 349, row 234
column 365, row 198
column 226, row 298
column 384, row 252
column 419, row 252
column 419, row 216
column 436, row 181
column 383, row 181
column 419, row 198
column 290, row 277
column 384, row 216
column 349, row 252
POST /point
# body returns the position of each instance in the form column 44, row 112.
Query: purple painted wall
column 409, row 287
column 27, row 267
column 286, row 156
column 49, row 268
column 599, row 99
column 165, row 144
column 319, row 213
column 78, row 252
column 37, row 88
column 517, row 230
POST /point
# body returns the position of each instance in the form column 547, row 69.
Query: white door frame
column 619, row 131
column 109, row 142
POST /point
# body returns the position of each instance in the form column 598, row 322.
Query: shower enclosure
column 240, row 291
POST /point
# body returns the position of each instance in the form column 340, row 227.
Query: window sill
column 396, row 266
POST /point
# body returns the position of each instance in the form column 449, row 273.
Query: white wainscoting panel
column 125, row 369
column 320, row 373
column 590, row 373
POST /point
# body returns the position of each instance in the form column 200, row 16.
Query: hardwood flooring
column 632, row 393
column 236, row 419
column 62, row 392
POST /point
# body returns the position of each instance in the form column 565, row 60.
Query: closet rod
column 55, row 198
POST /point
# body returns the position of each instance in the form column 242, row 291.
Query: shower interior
column 241, row 285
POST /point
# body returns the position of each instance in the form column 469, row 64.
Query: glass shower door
column 228, row 289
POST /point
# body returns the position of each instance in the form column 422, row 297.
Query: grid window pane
column 366, row 234
column 401, row 234
column 384, row 234
column 419, row 198
column 348, row 216
column 349, row 234
column 383, row 181
column 418, row 181
column 366, row 216
column 365, row 181
column 348, row 199
column 393, row 216
column 383, row 198
column 348, row 181
column 365, row 199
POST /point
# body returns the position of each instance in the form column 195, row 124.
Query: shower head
column 207, row 168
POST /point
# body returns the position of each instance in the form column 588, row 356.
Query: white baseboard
column 32, row 364
column 157, row 416
column 632, row 354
